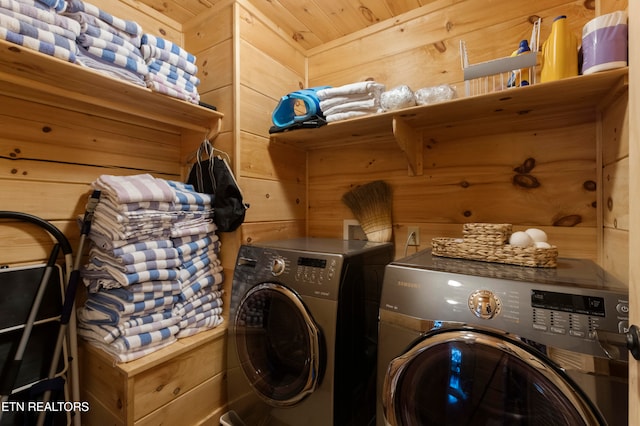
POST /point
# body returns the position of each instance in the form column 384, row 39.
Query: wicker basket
column 495, row 234
column 481, row 243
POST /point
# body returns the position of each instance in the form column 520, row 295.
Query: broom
column 370, row 203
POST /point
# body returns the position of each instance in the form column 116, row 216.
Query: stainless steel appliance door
column 280, row 347
column 467, row 375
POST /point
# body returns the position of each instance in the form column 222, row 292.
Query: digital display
column 309, row 261
column 587, row 305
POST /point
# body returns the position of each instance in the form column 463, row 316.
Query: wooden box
column 180, row 384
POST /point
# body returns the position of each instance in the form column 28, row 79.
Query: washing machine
column 303, row 332
column 467, row 342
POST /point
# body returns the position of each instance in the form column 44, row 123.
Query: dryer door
column 471, row 376
column 280, row 347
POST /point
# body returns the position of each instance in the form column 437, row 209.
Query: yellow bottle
column 559, row 52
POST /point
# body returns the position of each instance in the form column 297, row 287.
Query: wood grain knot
column 568, row 221
column 526, row 166
column 526, row 181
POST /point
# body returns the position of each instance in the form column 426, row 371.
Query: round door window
column 279, row 345
column 472, row 377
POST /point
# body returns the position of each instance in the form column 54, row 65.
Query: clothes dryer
column 303, row 332
column 467, row 342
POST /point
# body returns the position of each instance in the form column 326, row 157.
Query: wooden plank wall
column 466, row 179
column 49, row 156
column 246, row 66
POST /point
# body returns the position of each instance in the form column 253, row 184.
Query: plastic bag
column 397, row 98
column 435, row 94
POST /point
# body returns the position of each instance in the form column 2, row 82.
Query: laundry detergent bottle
column 559, row 52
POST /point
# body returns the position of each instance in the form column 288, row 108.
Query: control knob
column 278, row 266
column 484, row 304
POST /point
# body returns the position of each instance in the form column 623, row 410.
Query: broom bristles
column 371, row 205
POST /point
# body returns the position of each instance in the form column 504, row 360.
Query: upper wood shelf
column 547, row 105
column 30, row 75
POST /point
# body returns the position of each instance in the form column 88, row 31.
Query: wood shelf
column 33, row 76
column 547, row 105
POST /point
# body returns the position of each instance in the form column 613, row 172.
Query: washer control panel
column 307, row 273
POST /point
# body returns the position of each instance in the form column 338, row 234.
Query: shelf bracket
column 410, row 141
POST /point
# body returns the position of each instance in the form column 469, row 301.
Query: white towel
column 366, row 105
column 347, row 115
column 363, row 87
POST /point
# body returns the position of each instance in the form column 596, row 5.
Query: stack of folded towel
column 351, row 100
column 133, row 273
column 153, row 273
column 200, row 304
column 38, row 25
column 172, row 70
column 107, row 43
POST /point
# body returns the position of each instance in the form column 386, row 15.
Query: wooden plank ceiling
column 309, row 22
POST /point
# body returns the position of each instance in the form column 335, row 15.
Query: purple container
column 605, row 43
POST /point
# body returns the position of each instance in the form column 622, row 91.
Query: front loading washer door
column 280, row 347
column 472, row 376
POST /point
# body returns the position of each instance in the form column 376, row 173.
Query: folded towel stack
column 351, row 100
column 153, row 274
column 172, row 70
column 200, row 304
column 133, row 274
column 107, row 43
column 38, row 25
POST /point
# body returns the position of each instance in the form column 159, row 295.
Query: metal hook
column 213, row 133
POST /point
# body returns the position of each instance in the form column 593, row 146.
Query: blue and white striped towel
column 152, row 52
column 133, row 189
column 177, row 83
column 128, row 343
column 38, row 45
column 191, row 247
column 169, row 46
column 26, row 29
column 101, row 308
column 115, row 37
column 55, row 6
column 172, row 71
column 97, row 269
column 130, row 27
column 127, row 295
column 56, row 29
column 130, row 62
column 173, row 287
column 107, row 237
column 208, row 282
column 172, row 92
column 202, row 325
column 108, row 333
column 41, row 15
column 138, row 256
column 202, row 297
column 141, row 246
column 58, row 5
column 86, row 40
column 140, row 266
column 201, row 313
